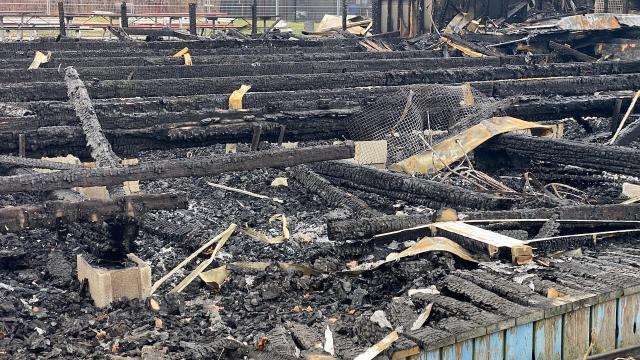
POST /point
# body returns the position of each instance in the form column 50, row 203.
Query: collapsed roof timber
column 445, row 196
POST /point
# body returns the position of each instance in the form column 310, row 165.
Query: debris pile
column 333, row 197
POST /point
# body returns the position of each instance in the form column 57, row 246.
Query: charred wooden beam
column 431, row 193
column 369, row 227
column 570, row 52
column 506, row 82
column 331, row 194
column 97, row 142
column 8, row 161
column 615, row 159
column 178, row 70
column 200, row 166
column 100, row 147
column 49, row 213
column 629, row 133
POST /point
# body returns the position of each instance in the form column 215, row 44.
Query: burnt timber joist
column 331, row 194
column 49, row 213
column 369, row 227
column 281, row 107
column 513, row 83
column 432, row 193
column 614, row 159
column 86, row 60
column 145, row 72
column 197, row 166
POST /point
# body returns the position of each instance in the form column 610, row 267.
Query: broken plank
column 628, row 321
column 196, row 166
column 484, row 241
column 46, row 214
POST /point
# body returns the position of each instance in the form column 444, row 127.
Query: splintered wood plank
column 575, row 334
column 489, row 347
column 548, row 339
column 459, row 351
column 484, row 241
column 603, row 327
column 628, row 319
column 519, row 342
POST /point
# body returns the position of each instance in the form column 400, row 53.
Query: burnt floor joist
column 196, row 166
column 205, row 56
column 520, row 81
column 613, row 159
column 426, row 70
column 221, row 45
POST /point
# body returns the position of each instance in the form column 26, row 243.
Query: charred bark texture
column 201, row 166
column 615, row 159
column 384, row 182
column 14, row 161
column 47, row 214
column 341, row 230
column 331, row 194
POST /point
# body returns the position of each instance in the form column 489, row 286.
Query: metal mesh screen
column 415, row 117
column 609, row 6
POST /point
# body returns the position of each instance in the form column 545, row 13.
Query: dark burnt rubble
column 148, row 213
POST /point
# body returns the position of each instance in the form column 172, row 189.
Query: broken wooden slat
column 196, row 166
column 484, row 241
column 45, row 215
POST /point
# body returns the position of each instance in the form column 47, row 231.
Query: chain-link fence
column 415, row 117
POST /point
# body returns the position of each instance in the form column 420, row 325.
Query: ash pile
column 369, row 190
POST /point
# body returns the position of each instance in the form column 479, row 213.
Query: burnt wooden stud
column 255, row 139
column 124, row 18
column 376, row 15
column 192, row 18
column 283, row 129
column 61, row 19
column 254, row 18
column 616, row 116
column 22, row 145
column 197, row 166
column 344, row 15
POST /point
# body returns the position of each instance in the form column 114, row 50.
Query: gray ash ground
column 46, row 313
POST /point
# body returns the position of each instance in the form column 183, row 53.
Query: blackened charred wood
column 614, row 159
column 119, row 33
column 14, row 161
column 570, row 52
column 369, row 227
column 441, row 194
column 629, row 212
column 100, row 147
column 629, row 133
column 331, row 194
column 97, row 142
column 341, row 230
column 198, row 166
column 46, row 214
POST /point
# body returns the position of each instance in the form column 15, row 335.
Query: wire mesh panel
column 610, row 6
column 415, row 117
